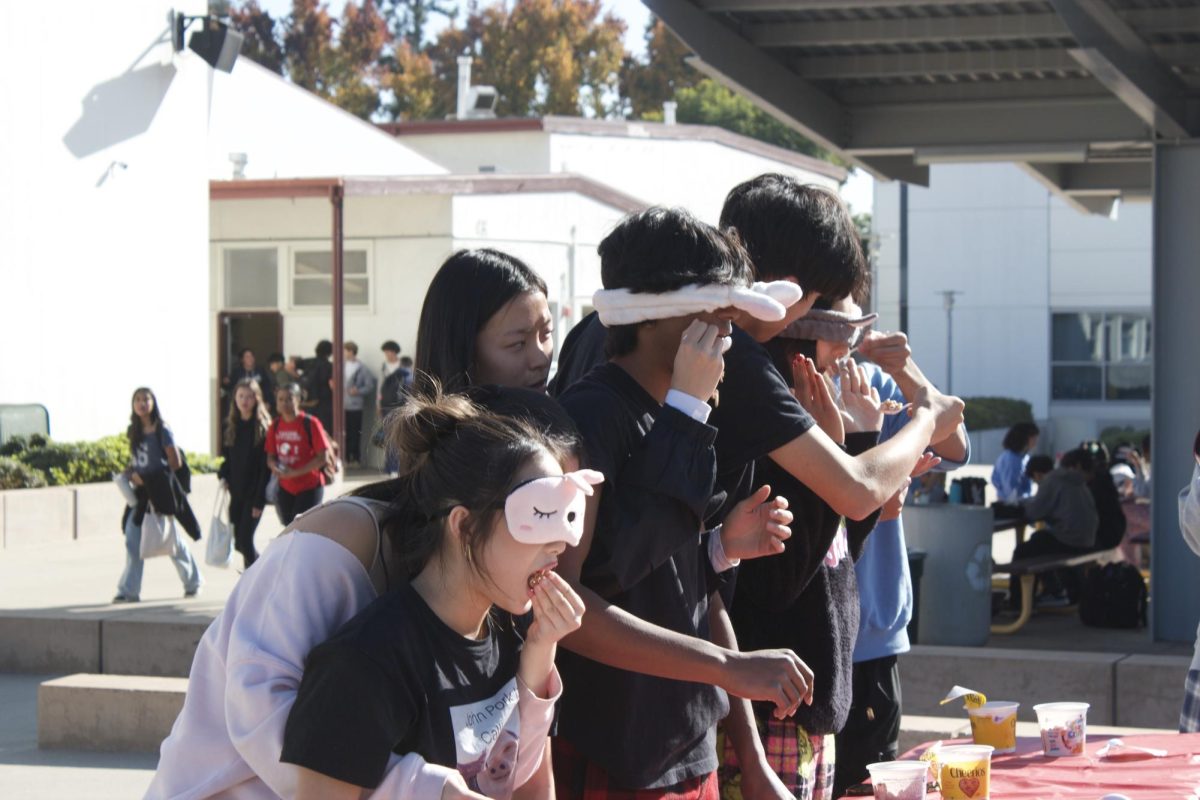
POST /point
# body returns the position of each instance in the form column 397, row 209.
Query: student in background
column 1064, row 502
column 277, row 374
column 318, row 384
column 155, row 461
column 358, row 385
column 244, row 470
column 1008, row 473
column 297, row 452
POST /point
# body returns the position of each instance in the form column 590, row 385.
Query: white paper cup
column 1064, row 728
column 899, row 780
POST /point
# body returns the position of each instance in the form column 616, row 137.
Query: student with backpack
column 298, row 453
column 358, row 385
column 154, row 472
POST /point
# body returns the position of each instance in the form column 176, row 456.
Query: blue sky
column 632, row 11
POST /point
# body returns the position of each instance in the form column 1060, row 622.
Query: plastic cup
column 995, row 723
column 1064, row 728
column 899, row 780
column 965, row 771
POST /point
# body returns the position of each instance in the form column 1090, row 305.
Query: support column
column 1175, row 609
column 337, row 199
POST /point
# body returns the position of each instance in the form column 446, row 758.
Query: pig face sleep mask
column 550, row 509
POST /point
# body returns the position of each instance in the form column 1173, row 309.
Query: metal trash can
column 916, row 567
column 956, row 591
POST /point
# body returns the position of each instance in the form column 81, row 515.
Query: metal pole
column 904, row 258
column 336, row 197
column 948, row 304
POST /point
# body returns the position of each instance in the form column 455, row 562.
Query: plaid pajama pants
column 1189, row 717
column 576, row 778
column 804, row 763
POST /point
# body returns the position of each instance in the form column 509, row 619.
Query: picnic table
column 1029, row 775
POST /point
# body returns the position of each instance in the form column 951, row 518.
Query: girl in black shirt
column 448, row 671
column 244, row 470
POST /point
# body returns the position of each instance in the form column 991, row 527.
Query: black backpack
column 1113, row 596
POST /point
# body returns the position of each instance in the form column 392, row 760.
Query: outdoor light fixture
column 215, row 42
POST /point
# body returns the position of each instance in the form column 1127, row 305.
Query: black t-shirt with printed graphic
column 398, row 679
column 150, row 454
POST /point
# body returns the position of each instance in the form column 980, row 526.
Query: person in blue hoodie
column 872, row 729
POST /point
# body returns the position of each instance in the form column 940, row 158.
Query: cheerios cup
column 995, row 723
column 966, row 772
column 1064, row 728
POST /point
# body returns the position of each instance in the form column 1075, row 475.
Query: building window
column 251, row 277
column 312, row 278
column 1100, row 355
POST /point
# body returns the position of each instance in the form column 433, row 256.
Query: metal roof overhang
column 1077, row 91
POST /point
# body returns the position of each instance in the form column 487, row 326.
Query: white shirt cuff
column 695, row 408
column 716, row 553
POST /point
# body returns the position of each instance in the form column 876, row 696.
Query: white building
column 693, row 166
column 134, row 256
column 1054, row 305
column 103, row 217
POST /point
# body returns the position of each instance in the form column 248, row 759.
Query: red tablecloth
column 1029, row 774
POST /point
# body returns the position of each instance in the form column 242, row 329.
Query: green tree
column 647, row 82
column 709, row 103
column 407, row 19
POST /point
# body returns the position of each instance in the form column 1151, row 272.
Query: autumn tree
column 261, row 42
column 543, row 57
column 408, row 19
column 649, row 81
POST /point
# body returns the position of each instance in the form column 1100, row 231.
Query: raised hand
column 773, row 676
column 895, row 504
column 859, row 401
column 700, row 362
column 947, row 410
column 813, row 391
column 757, row 526
column 557, row 611
column 889, row 350
column 926, row 462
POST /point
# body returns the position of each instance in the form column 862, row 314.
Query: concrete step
column 129, row 641
column 109, row 713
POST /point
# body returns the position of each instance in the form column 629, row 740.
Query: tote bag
column 158, row 535
column 219, row 551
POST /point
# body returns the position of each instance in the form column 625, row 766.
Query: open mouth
column 538, row 577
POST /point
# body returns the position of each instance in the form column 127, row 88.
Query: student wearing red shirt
column 296, row 451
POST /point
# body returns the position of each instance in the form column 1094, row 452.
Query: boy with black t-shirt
column 625, row 725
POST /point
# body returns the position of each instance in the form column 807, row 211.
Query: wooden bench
column 1027, row 570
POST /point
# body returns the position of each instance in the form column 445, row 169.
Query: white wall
column 288, row 132
column 103, row 217
column 1018, row 255
column 516, row 152
column 695, row 174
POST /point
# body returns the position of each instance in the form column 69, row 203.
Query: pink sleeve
column 537, row 714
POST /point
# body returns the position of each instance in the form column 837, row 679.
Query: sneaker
column 123, row 598
column 1051, row 601
column 191, row 593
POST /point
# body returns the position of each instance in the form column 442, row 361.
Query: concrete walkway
column 32, row 774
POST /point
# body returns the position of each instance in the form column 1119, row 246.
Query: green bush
column 15, row 474
column 984, row 413
column 1116, row 435
column 61, row 463
column 203, row 463
column 79, row 462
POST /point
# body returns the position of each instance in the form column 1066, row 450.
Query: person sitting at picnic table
column 1009, row 475
column 1064, row 502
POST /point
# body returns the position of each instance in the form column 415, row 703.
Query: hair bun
column 416, row 427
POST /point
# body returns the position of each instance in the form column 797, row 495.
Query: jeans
column 354, row 423
column 130, row 584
